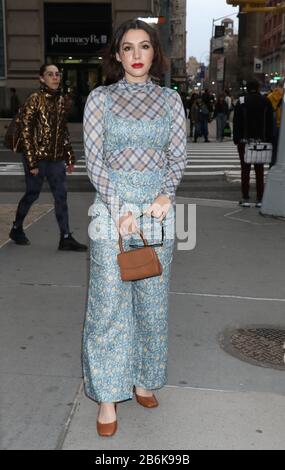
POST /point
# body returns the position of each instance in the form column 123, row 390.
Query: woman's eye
column 145, row 46
column 126, row 49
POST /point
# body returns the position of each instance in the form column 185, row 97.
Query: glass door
column 78, row 81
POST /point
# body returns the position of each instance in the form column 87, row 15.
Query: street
column 213, row 170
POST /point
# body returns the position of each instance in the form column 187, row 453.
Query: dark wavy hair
column 45, row 66
column 114, row 70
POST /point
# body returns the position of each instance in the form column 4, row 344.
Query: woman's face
column 136, row 55
column 51, row 77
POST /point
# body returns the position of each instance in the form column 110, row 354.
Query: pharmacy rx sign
column 77, row 29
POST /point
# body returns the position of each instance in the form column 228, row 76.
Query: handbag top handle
column 142, row 237
column 121, row 241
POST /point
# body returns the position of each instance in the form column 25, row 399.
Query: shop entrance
column 76, row 33
column 78, row 80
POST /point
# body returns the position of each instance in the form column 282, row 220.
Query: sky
column 200, row 15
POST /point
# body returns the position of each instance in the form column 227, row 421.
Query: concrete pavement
column 233, row 278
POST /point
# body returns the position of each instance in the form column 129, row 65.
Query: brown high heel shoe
column 107, row 429
column 147, row 402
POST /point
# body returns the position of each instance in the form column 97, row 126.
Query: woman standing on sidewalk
column 135, row 143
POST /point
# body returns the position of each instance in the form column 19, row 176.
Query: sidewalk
column 234, row 278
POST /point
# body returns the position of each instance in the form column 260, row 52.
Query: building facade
column 224, row 57
column 67, row 32
column 272, row 44
column 178, row 41
column 251, row 27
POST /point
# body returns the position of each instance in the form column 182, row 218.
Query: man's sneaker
column 258, row 204
column 244, row 203
column 70, row 244
column 18, row 236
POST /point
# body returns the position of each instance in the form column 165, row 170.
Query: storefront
column 75, row 36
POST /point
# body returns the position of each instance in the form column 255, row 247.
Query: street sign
column 258, row 65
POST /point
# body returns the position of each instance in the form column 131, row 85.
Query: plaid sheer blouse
column 134, row 127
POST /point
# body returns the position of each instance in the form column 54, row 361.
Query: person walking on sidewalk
column 135, row 144
column 253, row 119
column 221, row 115
column 47, row 152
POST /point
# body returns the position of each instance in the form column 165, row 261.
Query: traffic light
column 174, row 86
column 257, row 6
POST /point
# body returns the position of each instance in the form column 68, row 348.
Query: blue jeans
column 221, row 120
column 201, row 129
column 56, row 176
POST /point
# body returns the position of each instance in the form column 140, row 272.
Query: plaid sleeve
column 177, row 154
column 94, row 145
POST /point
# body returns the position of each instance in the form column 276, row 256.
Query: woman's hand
column 127, row 224
column 159, row 208
column 35, row 172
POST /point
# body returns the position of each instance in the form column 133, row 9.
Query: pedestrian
column 47, row 152
column 275, row 97
column 208, row 100
column 221, row 115
column 229, row 101
column 200, row 116
column 135, row 144
column 190, row 103
column 253, row 119
column 14, row 102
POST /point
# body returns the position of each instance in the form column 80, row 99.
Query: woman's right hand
column 127, row 224
column 35, row 172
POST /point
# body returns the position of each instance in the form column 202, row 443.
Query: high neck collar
column 49, row 92
column 135, row 87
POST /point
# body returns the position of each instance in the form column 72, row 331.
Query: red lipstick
column 137, row 66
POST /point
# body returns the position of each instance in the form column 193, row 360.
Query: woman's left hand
column 159, row 208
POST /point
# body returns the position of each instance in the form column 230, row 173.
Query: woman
column 221, row 115
column 47, row 154
column 135, row 143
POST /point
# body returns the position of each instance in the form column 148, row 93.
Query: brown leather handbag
column 140, row 263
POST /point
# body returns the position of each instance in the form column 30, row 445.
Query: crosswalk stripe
column 209, row 159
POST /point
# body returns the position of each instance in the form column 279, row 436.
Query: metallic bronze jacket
column 45, row 135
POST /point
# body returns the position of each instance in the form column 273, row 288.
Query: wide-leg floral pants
column 126, row 329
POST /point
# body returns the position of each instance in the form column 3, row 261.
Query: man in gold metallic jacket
column 47, row 153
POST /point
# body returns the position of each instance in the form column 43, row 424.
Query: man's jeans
column 221, row 121
column 55, row 173
column 201, row 129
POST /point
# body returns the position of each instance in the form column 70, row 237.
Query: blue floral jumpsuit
column 135, row 146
